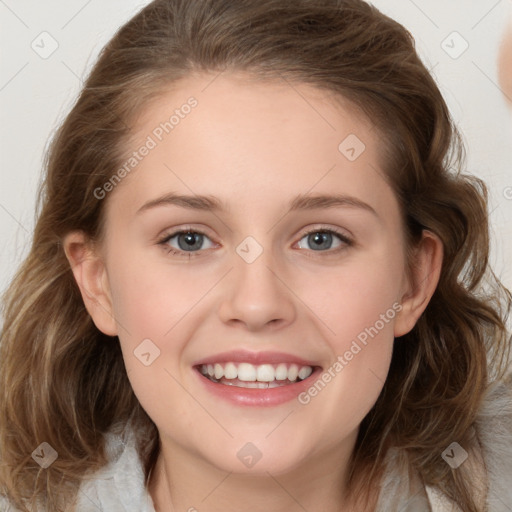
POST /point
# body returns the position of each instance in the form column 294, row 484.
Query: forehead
column 235, row 101
column 242, row 139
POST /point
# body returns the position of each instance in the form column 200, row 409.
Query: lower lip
column 258, row 397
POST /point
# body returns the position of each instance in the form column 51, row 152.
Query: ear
column 428, row 259
column 91, row 276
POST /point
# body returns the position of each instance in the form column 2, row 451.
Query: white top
column 119, row 486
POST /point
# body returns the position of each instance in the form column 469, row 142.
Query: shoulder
column 118, row 486
column 402, row 491
column 494, row 429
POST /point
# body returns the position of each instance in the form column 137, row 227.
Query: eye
column 188, row 241
column 322, row 240
column 191, row 242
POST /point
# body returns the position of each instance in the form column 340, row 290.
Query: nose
column 257, row 296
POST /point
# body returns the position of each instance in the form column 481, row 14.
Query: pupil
column 190, row 241
column 319, row 238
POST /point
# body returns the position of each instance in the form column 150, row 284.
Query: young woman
column 259, row 280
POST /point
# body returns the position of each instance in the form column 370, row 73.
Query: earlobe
column 90, row 275
column 417, row 294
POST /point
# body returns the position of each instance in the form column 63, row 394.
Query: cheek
column 151, row 297
column 351, row 298
column 359, row 304
column 151, row 304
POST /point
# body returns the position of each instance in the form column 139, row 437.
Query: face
column 255, row 277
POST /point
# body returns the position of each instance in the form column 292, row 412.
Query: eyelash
column 191, row 254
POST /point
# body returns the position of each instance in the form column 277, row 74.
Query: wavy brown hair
column 64, row 382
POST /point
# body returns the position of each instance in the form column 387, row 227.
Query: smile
column 255, row 379
column 247, row 375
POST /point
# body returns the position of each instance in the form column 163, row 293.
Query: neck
column 183, row 482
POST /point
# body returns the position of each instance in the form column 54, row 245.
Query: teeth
column 281, row 372
column 263, row 376
column 230, row 371
column 246, row 372
column 293, row 372
column 219, row 371
column 253, row 385
column 305, row 372
column 265, row 373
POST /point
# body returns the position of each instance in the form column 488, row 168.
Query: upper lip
column 255, row 358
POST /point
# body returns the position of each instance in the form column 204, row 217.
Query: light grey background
column 36, row 91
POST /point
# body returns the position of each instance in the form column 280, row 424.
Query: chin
column 250, row 464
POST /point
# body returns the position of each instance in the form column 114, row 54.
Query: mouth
column 252, row 376
column 256, row 379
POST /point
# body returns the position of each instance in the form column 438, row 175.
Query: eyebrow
column 300, row 202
